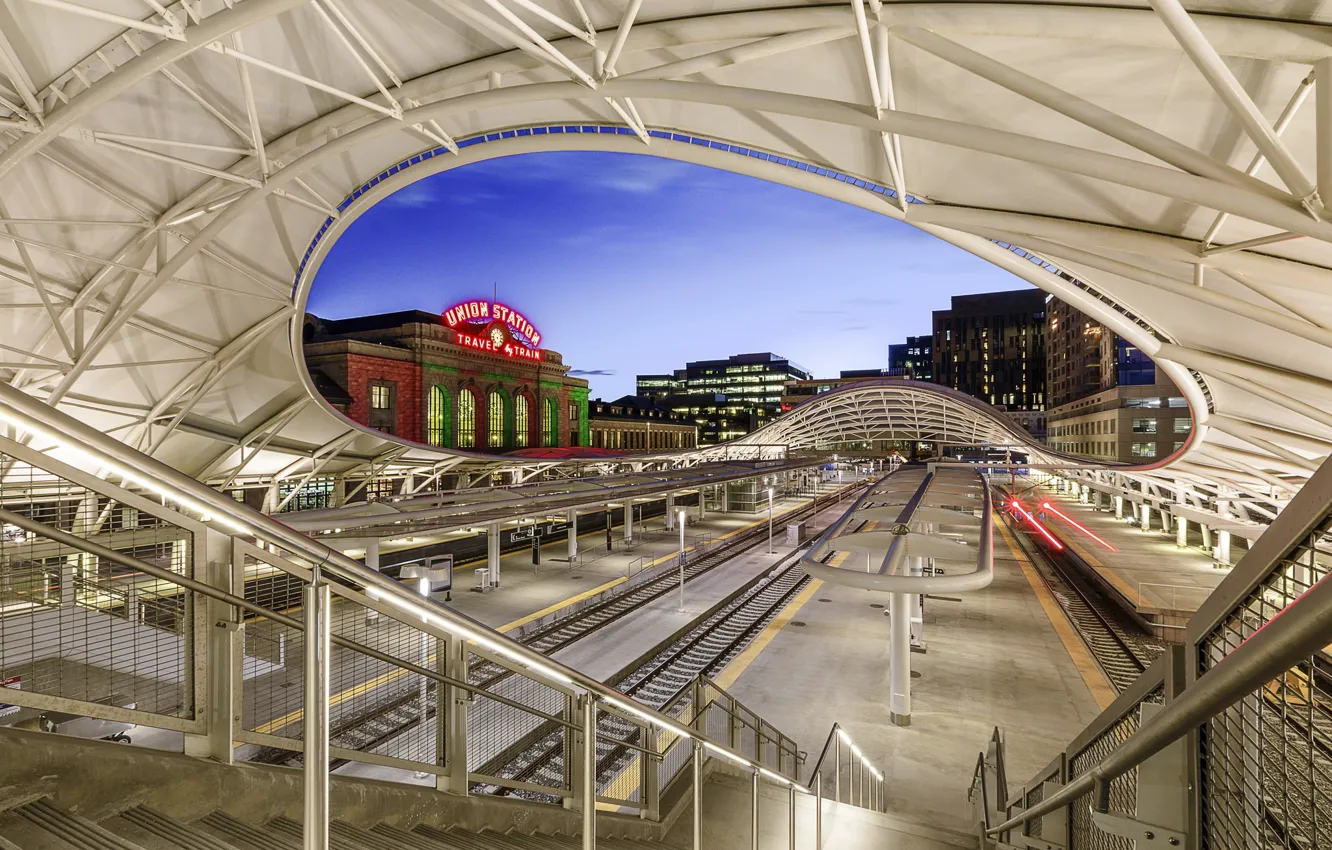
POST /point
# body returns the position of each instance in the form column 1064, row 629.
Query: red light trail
column 1068, row 519
column 1031, row 519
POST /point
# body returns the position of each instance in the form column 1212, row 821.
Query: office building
column 473, row 377
column 726, row 398
column 992, row 346
column 1108, row 401
column 913, row 359
column 639, row 424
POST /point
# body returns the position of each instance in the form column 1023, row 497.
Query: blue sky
column 633, row 264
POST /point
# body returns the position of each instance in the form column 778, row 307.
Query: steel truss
column 155, row 280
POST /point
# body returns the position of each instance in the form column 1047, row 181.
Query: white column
column 493, row 552
column 1165, row 520
column 1207, row 536
column 1181, row 532
column 1145, row 514
column 670, row 512
column 1223, row 548
column 702, row 507
column 1119, row 507
column 726, row 498
column 573, row 534
column 899, row 684
column 629, row 521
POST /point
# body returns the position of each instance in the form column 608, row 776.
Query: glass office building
column 726, row 398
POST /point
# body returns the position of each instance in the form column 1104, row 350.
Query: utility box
column 795, row 532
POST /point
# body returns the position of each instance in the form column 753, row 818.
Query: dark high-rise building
column 1106, row 398
column 992, row 346
column 727, row 398
column 912, row 359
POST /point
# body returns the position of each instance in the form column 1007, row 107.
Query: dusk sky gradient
column 632, row 264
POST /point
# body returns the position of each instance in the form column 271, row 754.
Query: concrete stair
column 42, row 825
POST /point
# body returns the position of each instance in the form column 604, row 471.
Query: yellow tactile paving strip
column 1100, row 687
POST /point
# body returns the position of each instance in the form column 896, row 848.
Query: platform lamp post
column 770, row 551
column 681, row 559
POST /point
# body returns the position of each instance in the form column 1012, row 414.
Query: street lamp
column 682, row 557
column 770, row 552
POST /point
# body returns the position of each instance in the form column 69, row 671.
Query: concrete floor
column 1149, row 570
column 994, row 659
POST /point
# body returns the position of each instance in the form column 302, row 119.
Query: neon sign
column 484, row 312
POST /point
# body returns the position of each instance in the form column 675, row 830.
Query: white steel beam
column 728, row 56
column 176, row 33
column 1228, row 88
column 621, row 36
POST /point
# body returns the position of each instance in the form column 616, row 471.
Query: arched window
column 522, row 421
column 495, row 418
column 437, row 417
column 551, row 424
column 466, row 418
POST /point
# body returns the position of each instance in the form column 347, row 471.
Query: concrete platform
column 527, row 592
column 1148, row 569
column 995, row 657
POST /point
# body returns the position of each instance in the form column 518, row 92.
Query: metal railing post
column 754, row 813
column 791, row 822
column 818, row 811
column 317, row 603
column 651, row 809
column 216, row 666
column 698, row 796
column 589, row 761
column 455, row 731
column 837, row 770
column 573, row 776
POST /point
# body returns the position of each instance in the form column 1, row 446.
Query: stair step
column 294, row 829
column 362, row 839
column 22, row 834
column 69, row 828
column 484, row 840
column 411, row 840
column 169, row 833
column 244, row 835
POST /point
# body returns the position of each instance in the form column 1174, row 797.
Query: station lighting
column 855, row 751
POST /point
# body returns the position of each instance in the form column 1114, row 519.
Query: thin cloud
column 581, row 372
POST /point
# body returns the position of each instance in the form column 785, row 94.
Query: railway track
column 401, row 710
column 1121, row 647
column 705, row 648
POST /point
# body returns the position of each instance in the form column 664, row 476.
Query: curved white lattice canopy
column 894, row 410
column 172, row 176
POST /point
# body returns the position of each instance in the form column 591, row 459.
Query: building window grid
column 466, row 418
column 522, row 420
column 495, row 413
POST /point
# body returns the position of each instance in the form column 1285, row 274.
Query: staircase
column 43, row 825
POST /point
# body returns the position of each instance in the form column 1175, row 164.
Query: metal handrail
column 36, row 417
column 1297, row 632
column 981, row 577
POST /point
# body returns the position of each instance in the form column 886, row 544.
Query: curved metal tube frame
column 979, row 578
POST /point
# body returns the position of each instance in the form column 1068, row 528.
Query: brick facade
column 417, row 354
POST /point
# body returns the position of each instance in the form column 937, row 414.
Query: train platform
column 528, row 592
column 1158, row 578
column 1004, row 656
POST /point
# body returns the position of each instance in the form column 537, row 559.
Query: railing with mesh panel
column 133, row 593
column 1225, row 742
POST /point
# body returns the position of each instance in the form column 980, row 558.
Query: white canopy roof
column 170, row 181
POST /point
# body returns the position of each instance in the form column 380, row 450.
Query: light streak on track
column 1079, row 526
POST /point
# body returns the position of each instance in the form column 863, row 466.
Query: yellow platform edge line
column 732, row 671
column 1091, row 674
column 564, row 603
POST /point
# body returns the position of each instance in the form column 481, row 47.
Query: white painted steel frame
column 181, row 335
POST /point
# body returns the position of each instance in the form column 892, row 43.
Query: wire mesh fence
column 1266, row 761
column 1123, row 790
column 80, row 620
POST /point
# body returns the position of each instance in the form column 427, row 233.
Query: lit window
column 1143, row 449
column 1183, row 425
column 1144, row 426
column 495, row 420
column 466, row 419
column 522, row 420
column 381, row 397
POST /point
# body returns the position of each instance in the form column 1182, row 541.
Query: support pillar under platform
column 899, row 682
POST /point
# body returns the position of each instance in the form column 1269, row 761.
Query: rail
column 237, row 573
column 1221, row 741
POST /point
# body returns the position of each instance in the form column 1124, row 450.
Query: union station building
column 472, row 378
